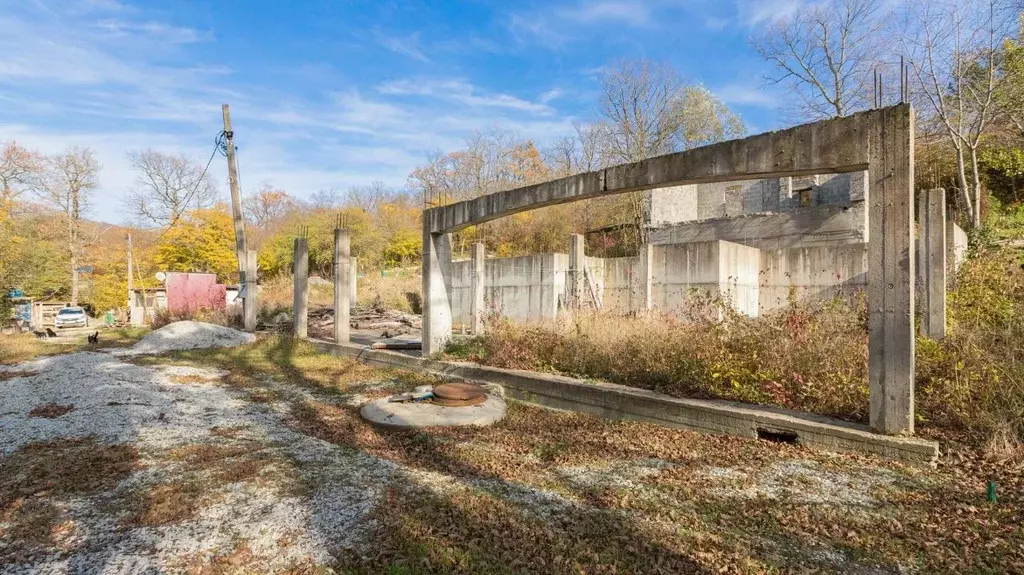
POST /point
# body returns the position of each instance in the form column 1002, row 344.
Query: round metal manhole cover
column 459, row 394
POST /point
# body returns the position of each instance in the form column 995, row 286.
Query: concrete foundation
column 477, row 285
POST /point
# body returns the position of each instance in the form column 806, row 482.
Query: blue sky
column 335, row 94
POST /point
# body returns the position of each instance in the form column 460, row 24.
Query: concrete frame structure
column 931, row 258
column 878, row 141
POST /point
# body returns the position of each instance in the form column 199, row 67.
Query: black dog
column 94, row 338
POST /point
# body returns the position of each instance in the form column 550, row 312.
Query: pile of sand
column 188, row 335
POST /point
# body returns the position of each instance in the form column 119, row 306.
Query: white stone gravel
column 182, row 335
column 155, row 409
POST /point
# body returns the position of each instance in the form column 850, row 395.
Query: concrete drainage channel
column 622, row 402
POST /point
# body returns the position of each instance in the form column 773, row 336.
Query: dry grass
column 24, row 347
column 190, row 379
column 204, row 469
column 37, row 477
column 9, row 375
column 398, row 292
column 472, row 506
column 51, row 410
column 970, row 386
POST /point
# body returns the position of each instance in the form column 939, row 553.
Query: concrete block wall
column 696, row 202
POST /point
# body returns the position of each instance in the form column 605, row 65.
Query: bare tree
column 19, row 167
column 953, row 51
column 267, row 206
column 166, row 186
column 65, row 184
column 583, row 151
column 649, row 111
column 369, row 198
column 825, row 52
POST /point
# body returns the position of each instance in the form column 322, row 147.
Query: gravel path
column 160, row 409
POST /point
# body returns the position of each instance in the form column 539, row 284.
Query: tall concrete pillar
column 249, row 304
column 300, row 302
column 931, row 245
column 353, row 292
column 891, row 273
column 575, row 283
column 646, row 269
column 437, row 307
column 342, row 285
column 477, row 304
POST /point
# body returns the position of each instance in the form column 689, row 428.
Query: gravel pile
column 188, row 335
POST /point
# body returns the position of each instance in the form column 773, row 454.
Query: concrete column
column 931, row 244
column 249, row 304
column 891, row 272
column 575, row 283
column 300, row 303
column 353, row 292
column 646, row 269
column 437, row 307
column 342, row 285
column 477, row 304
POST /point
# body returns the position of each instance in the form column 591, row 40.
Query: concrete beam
column 300, row 301
column 342, row 285
column 891, row 271
column 477, row 303
column 437, row 307
column 574, row 283
column 931, row 221
column 828, row 146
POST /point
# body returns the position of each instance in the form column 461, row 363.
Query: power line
column 218, row 142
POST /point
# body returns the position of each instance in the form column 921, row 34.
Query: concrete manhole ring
column 428, row 414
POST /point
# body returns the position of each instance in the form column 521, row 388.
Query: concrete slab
column 422, row 414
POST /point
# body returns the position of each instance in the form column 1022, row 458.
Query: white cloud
column 153, row 30
column 716, row 24
column 746, row 95
column 462, row 92
column 550, row 95
column 754, row 13
column 621, row 12
column 406, row 46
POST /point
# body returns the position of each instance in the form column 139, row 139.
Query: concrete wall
column 696, row 202
column 525, row 288
column 812, row 273
column 720, row 268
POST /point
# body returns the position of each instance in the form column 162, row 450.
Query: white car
column 71, row 317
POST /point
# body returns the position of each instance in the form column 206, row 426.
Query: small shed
column 188, row 292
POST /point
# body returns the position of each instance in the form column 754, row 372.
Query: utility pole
column 236, row 195
column 249, row 302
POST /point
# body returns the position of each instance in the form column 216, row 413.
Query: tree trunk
column 976, row 177
column 961, row 179
column 73, row 221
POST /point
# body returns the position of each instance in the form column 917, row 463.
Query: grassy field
column 23, row 347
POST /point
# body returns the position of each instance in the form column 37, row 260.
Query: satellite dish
column 161, row 276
